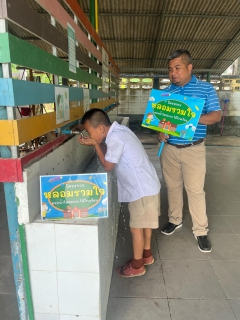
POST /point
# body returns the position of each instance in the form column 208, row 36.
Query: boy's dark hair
column 184, row 54
column 96, row 117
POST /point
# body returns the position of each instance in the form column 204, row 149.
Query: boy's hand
column 87, row 141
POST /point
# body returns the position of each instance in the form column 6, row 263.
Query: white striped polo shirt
column 198, row 89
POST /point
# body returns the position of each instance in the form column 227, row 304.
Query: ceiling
column 141, row 34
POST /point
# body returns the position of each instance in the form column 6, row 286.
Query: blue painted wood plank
column 6, row 92
column 19, row 93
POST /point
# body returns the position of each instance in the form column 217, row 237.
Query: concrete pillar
column 156, row 83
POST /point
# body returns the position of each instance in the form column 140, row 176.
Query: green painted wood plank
column 20, row 13
column 114, row 87
column 19, row 93
column 15, row 50
column 94, row 94
column 4, row 48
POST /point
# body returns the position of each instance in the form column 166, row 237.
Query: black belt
column 186, row 145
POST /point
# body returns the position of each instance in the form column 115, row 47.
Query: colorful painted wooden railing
column 15, row 93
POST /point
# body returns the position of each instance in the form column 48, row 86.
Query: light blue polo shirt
column 198, row 89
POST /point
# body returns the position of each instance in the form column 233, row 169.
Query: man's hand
column 162, row 137
column 210, row 118
column 87, row 141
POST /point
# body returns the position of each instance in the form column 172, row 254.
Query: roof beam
column 236, row 35
column 159, row 31
column 154, row 14
column 166, row 70
column 165, row 60
column 150, row 41
column 168, row 41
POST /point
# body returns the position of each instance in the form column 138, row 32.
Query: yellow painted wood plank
column 102, row 104
column 6, row 133
column 33, row 127
column 16, row 132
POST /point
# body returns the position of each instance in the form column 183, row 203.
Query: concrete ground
column 183, row 283
column 228, row 141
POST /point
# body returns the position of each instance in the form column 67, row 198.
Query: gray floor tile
column 212, row 208
column 7, row 284
column 228, row 273
column 5, row 249
column 3, row 225
column 225, row 247
column 137, row 309
column 163, row 208
column 5, row 264
column 229, row 207
column 8, row 307
column 200, row 309
column 234, row 222
column 235, row 304
column 124, row 245
column 191, row 279
column 3, row 216
column 179, row 246
column 219, row 225
column 123, row 224
column 150, row 285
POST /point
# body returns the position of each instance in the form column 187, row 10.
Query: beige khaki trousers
column 186, row 167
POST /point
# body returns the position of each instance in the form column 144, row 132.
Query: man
column 184, row 163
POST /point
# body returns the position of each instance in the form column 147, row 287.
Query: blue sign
column 76, row 196
column 173, row 114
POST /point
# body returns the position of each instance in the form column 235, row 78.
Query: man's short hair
column 184, row 54
column 96, row 117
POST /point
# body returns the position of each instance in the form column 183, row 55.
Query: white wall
column 233, row 107
column 70, row 262
column 135, row 101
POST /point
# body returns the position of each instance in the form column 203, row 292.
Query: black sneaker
column 169, row 228
column 204, row 244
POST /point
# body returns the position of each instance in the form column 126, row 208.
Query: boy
column 137, row 181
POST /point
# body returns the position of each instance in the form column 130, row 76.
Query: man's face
column 94, row 133
column 179, row 72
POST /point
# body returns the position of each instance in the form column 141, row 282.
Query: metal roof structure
column 141, row 34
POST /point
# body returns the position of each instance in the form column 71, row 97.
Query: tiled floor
column 183, row 283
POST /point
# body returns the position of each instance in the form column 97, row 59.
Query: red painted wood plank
column 11, row 170
column 113, row 71
column 43, row 151
column 86, row 23
column 54, row 8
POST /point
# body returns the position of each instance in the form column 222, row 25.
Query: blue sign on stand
column 76, row 196
column 172, row 113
